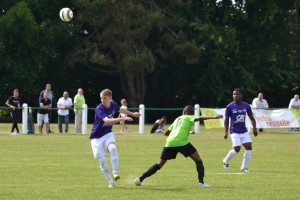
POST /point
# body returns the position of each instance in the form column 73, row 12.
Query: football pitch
column 62, row 167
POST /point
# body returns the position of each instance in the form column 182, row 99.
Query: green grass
column 62, row 167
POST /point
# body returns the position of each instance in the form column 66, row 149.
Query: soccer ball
column 66, row 14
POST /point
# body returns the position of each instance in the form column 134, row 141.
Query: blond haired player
column 103, row 139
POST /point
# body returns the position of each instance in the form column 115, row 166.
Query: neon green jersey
column 79, row 100
column 180, row 130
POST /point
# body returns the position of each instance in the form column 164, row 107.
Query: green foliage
column 4, row 113
column 187, row 51
column 19, row 48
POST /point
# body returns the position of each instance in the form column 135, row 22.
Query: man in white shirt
column 294, row 104
column 260, row 103
column 64, row 104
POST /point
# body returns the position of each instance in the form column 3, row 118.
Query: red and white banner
column 279, row 118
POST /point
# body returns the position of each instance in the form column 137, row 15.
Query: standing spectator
column 42, row 116
column 52, row 99
column 158, row 126
column 64, row 104
column 14, row 102
column 178, row 142
column 260, row 103
column 237, row 111
column 103, row 139
column 294, row 104
column 122, row 115
column 79, row 101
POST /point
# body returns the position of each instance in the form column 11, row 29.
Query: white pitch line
column 235, row 173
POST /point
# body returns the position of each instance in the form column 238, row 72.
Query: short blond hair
column 106, row 92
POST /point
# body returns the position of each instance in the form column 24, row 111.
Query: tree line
column 162, row 53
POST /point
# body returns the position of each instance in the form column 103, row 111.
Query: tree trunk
column 133, row 85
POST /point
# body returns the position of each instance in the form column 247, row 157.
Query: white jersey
column 294, row 103
column 62, row 102
column 122, row 114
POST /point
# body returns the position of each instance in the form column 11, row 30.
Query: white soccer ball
column 66, row 14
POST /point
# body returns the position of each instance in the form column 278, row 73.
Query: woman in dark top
column 14, row 103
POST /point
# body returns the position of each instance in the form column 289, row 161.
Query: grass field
column 62, row 167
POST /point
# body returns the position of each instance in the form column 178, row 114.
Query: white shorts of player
column 122, row 115
column 42, row 118
column 99, row 145
column 239, row 139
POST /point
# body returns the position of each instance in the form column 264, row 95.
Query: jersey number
column 178, row 123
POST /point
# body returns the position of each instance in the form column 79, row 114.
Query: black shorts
column 169, row 153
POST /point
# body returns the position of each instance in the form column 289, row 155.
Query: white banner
column 279, row 118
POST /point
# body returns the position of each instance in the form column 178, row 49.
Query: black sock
column 152, row 170
column 200, row 170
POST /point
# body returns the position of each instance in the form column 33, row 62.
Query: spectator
column 42, row 116
column 64, row 104
column 158, row 126
column 294, row 104
column 260, row 103
column 14, row 102
column 79, row 100
column 123, row 115
column 52, row 99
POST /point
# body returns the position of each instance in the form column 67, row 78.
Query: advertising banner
column 278, row 118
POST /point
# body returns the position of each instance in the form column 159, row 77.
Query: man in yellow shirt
column 79, row 101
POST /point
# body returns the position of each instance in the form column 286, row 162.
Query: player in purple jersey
column 239, row 135
column 103, row 139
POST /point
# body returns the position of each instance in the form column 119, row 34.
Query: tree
column 114, row 41
column 18, row 47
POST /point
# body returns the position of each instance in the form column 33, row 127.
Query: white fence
column 85, row 119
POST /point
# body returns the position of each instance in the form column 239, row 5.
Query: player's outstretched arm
column 201, row 118
column 127, row 112
column 111, row 121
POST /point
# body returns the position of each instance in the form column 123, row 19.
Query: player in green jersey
column 177, row 142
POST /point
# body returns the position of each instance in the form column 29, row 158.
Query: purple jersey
column 99, row 128
column 237, row 114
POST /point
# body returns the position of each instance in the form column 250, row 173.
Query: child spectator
column 123, row 115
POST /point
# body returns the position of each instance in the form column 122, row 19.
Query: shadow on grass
column 175, row 189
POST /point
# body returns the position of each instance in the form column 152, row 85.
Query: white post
column 25, row 118
column 197, row 113
column 84, row 119
column 142, row 119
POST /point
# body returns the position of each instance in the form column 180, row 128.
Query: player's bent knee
column 237, row 149
column 112, row 149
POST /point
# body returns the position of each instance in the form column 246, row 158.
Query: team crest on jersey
column 242, row 111
column 111, row 115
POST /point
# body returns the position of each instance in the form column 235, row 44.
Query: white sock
column 112, row 149
column 105, row 169
column 229, row 156
column 246, row 159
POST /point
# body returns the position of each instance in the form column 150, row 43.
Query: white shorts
column 99, row 145
column 239, row 139
column 42, row 118
column 122, row 115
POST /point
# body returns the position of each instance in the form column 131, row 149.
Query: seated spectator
column 158, row 126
